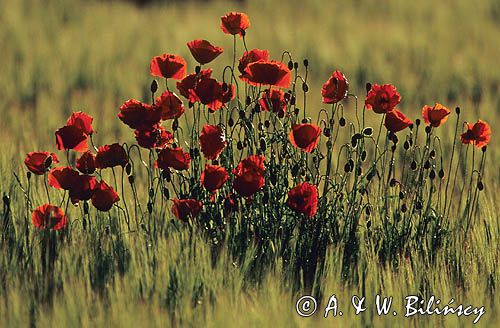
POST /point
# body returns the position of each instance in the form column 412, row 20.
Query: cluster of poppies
column 269, row 77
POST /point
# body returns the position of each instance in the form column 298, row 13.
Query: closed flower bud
column 241, row 113
column 263, row 144
column 401, row 195
column 432, row 154
column 417, row 122
column 432, row 174
column 131, row 179
column 166, row 193
column 457, row 110
column 295, row 65
column 368, row 87
column 281, row 113
column 305, row 87
column 128, row 168
column 393, row 182
column 239, row 145
column 480, row 185
column 363, row 155
column 28, row 175
column 427, row 165
column 413, row 165
column 290, row 65
column 404, row 208
column 154, row 86
column 406, row 145
column 224, row 87
column 418, row 205
column 327, row 133
column 428, row 129
column 248, row 100
column 292, row 101
column 295, row 170
column 230, row 122
column 175, row 125
column 267, row 124
column 342, row 122
column 150, row 207
column 441, row 174
column 306, row 62
column 368, row 131
column 305, row 121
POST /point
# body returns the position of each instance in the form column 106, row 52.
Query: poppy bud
column 165, row 174
column 175, row 125
column 363, row 155
column 305, row 87
column 406, row 145
column 305, row 120
column 154, row 86
column 86, row 208
column 457, row 110
column 393, row 182
column 150, row 207
column 413, row 165
column 295, row 170
column 359, row 171
column 241, row 113
column 292, row 101
column 432, row 154
column 432, row 174
column 327, row 133
column 151, row 192
column 418, row 205
column 131, row 179
column 480, row 185
column 401, row 195
column 6, row 201
column 166, row 193
column 263, row 144
column 295, row 65
column 347, row 168
column 107, row 230
column 427, row 165
column 239, row 145
column 404, row 208
column 368, row 131
column 410, row 126
column 128, row 168
column 368, row 87
column 28, row 175
column 248, row 100
column 224, row 87
column 354, row 141
column 306, row 62
column 230, row 122
column 197, row 69
column 290, row 65
column 427, row 129
column 174, row 145
column 256, row 108
column 273, row 178
column 395, row 139
column 243, row 33
column 483, row 149
column 441, row 174
column 342, row 122
column 417, row 122
column 267, row 124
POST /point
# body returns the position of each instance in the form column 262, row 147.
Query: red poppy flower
column 139, row 116
column 213, row 177
column 158, row 137
column 104, row 196
column 478, row 134
column 303, row 199
column 203, row 51
column 39, row 162
column 273, row 100
column 335, row 89
column 82, row 188
column 82, row 121
column 170, row 104
column 86, row 163
column 210, row 92
column 62, row 177
column 212, row 141
column 249, row 175
column 111, row 156
column 174, row 158
column 305, row 136
column 49, row 217
column 187, row 85
column 382, row 98
column 436, row 115
column 268, row 73
column 234, row 23
column 396, row 121
column 251, row 57
column 71, row 137
column 183, row 209
column 168, row 66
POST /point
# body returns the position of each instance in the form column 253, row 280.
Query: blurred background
column 62, row 56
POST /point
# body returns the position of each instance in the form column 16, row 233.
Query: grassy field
column 63, row 56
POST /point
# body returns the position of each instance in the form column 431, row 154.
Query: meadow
column 61, row 57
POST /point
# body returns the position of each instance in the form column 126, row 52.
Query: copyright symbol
column 306, row 306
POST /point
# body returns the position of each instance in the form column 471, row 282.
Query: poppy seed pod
column 28, row 175
column 154, row 86
column 239, row 145
column 483, row 149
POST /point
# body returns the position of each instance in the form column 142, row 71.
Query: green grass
column 62, row 56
